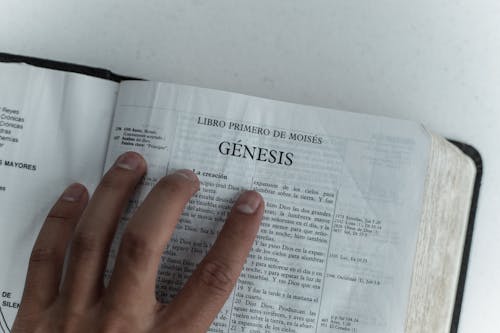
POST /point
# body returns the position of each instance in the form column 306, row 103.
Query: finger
column 94, row 233
column 134, row 277
column 213, row 280
column 47, row 258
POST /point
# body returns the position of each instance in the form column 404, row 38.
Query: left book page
column 54, row 129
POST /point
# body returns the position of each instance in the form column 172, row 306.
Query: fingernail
column 73, row 193
column 128, row 161
column 248, row 202
column 188, row 174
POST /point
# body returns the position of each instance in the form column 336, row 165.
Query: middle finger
column 145, row 237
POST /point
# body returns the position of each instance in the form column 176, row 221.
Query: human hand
column 79, row 302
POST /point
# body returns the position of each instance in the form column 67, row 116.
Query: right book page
column 344, row 194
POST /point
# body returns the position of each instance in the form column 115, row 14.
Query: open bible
column 366, row 217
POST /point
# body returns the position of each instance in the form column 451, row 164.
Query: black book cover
column 476, row 157
column 64, row 66
column 467, row 149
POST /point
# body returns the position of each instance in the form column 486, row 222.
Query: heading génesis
column 261, row 154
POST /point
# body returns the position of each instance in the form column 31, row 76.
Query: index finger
column 212, row 282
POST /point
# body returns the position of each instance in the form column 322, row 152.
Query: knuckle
column 216, row 277
column 65, row 325
column 136, row 248
column 68, row 321
column 119, row 324
column 62, row 211
column 84, row 245
column 112, row 323
column 43, row 255
column 57, row 219
column 117, row 318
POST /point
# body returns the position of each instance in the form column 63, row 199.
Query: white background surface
column 437, row 62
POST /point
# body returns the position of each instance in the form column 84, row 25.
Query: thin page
column 54, row 129
column 343, row 196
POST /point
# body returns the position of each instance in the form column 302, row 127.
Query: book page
column 441, row 241
column 343, row 196
column 54, row 129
